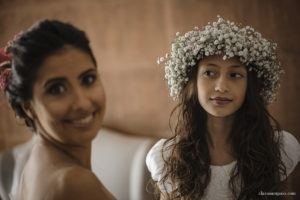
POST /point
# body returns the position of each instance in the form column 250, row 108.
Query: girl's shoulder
column 155, row 158
column 290, row 151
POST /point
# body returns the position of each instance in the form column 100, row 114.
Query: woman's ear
column 27, row 108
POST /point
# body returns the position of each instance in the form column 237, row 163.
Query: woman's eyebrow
column 57, row 79
column 87, row 72
column 60, row 79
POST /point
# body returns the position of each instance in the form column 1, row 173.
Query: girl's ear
column 26, row 106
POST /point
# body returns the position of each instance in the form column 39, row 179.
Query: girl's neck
column 220, row 147
column 219, row 129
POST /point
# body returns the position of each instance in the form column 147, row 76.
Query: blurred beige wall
column 127, row 36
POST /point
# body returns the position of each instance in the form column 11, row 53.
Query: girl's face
column 221, row 85
column 68, row 97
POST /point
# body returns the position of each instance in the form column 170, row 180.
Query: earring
column 28, row 122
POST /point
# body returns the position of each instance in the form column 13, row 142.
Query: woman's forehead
column 65, row 62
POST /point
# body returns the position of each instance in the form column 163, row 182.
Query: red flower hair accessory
column 5, row 63
column 5, row 68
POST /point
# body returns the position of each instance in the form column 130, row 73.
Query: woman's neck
column 80, row 155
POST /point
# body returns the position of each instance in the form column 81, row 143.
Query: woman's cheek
column 99, row 94
column 58, row 109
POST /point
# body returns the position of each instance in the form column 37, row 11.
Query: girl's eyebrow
column 215, row 65
column 236, row 66
column 212, row 65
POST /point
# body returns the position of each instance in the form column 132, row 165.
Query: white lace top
column 218, row 187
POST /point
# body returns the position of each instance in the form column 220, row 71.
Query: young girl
column 51, row 79
column 226, row 144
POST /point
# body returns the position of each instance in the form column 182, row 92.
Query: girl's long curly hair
column 254, row 141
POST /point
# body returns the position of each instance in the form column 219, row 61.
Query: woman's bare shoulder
column 77, row 183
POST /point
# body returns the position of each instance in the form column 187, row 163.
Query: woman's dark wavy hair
column 255, row 143
column 29, row 51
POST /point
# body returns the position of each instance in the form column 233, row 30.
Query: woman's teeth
column 83, row 121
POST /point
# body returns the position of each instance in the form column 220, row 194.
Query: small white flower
column 202, row 39
column 193, row 63
column 264, row 54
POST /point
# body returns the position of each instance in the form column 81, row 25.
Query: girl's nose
column 221, row 85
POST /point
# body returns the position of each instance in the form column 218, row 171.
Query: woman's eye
column 236, row 75
column 56, row 89
column 89, row 79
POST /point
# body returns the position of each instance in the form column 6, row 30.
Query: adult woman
column 55, row 86
column 226, row 144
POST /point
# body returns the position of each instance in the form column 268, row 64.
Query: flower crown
column 229, row 39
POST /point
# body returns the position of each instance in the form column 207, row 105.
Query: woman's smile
column 83, row 122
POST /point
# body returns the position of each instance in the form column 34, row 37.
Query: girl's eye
column 236, row 75
column 89, row 80
column 56, row 89
column 209, row 73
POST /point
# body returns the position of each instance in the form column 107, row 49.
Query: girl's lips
column 221, row 100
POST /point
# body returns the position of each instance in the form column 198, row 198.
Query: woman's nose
column 81, row 101
column 222, row 85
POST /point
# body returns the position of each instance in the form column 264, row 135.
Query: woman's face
column 221, row 85
column 68, row 97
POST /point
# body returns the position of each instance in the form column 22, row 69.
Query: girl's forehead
column 218, row 61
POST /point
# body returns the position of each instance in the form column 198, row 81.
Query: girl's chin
column 220, row 114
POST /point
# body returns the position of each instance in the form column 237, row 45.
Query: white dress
column 218, row 187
